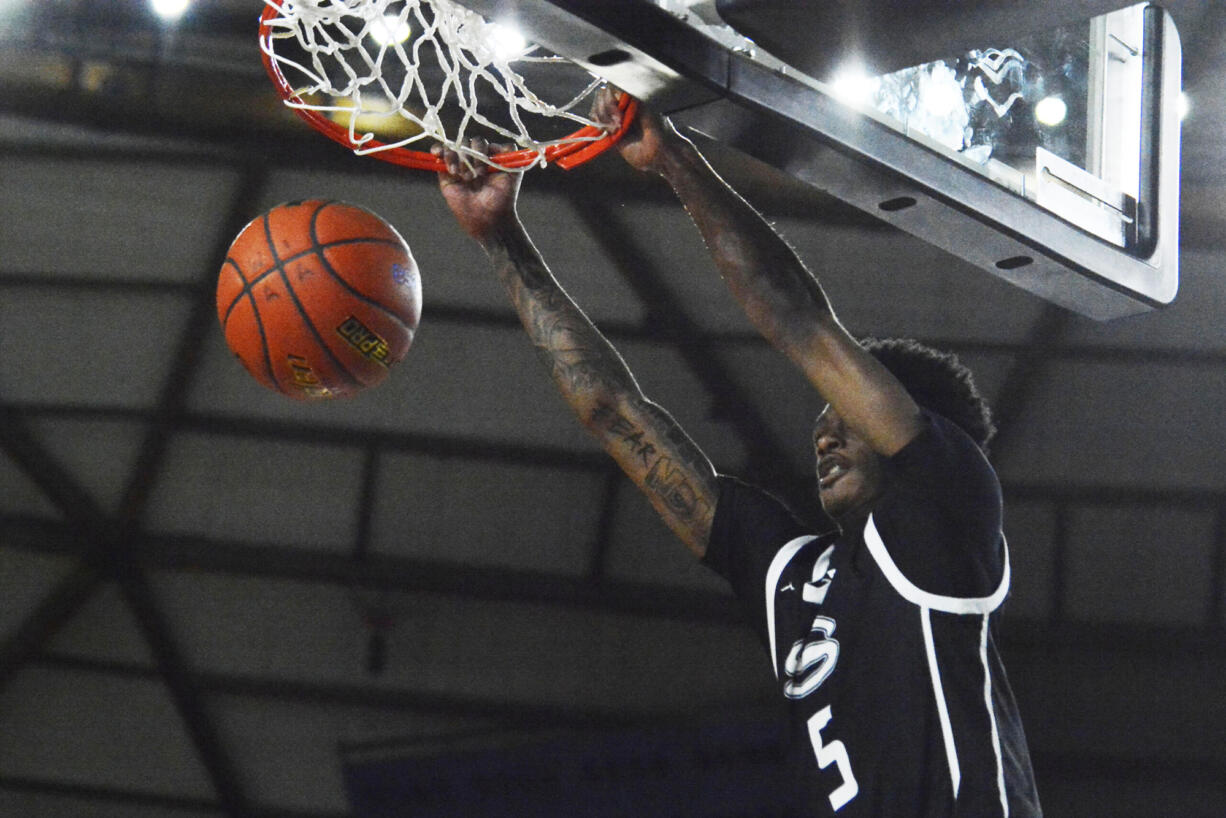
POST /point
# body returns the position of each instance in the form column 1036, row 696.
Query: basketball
column 319, row 299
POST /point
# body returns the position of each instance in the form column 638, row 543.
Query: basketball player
column 879, row 633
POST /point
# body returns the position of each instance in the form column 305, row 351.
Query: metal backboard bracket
column 705, row 76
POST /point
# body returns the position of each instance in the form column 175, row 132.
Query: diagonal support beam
column 133, row 580
column 105, row 547
column 52, row 613
column 85, row 518
column 114, row 542
column 172, row 402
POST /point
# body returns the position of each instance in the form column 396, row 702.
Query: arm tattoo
column 579, row 357
column 649, row 445
column 669, row 473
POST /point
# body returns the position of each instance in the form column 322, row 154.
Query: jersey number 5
column 833, row 753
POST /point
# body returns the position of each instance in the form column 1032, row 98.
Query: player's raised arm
column 782, row 298
column 644, row 440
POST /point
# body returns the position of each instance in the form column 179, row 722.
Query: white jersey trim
column 781, row 559
column 947, row 730
column 917, row 596
column 987, row 700
column 938, row 693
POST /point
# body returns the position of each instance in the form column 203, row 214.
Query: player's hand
column 648, row 139
column 481, row 198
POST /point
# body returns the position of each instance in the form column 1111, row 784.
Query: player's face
column 849, row 476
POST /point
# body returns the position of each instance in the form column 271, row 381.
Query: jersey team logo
column 815, row 590
column 813, row 658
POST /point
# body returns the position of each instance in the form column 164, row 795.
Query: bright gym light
column 852, row 85
column 169, row 10
column 1185, row 105
column 506, row 41
column 1050, row 111
column 390, row 29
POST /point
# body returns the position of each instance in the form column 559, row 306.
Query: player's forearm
column 785, row 302
column 585, row 367
column 781, row 297
column 653, row 451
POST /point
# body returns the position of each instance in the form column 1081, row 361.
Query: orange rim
column 566, row 155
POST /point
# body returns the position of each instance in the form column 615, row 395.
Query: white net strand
column 453, row 81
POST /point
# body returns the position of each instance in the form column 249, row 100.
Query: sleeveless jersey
column 881, row 638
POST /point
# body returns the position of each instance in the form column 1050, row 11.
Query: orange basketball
column 318, row 299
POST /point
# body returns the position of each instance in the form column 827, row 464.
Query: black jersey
column 881, row 638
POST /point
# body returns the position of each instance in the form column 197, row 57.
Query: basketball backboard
column 1049, row 158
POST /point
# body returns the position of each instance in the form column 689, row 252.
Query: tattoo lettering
column 631, row 436
column 670, row 483
column 643, row 450
column 664, row 477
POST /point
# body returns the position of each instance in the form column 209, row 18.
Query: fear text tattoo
column 669, row 470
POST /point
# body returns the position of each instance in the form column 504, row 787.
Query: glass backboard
column 1050, row 159
column 1058, row 117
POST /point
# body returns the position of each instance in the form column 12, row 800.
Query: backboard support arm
column 706, row 82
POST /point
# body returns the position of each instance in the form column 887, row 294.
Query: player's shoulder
column 939, row 433
column 939, row 520
column 943, row 457
column 743, row 504
column 751, row 523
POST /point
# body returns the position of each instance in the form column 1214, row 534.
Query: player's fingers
column 447, row 176
column 604, row 107
column 616, row 115
column 454, row 164
column 445, row 179
column 478, row 145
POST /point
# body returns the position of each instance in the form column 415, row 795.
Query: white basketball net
column 453, row 75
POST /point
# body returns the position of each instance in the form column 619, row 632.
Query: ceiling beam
column 533, row 717
column 1053, row 349
column 1019, row 638
column 51, row 613
column 1060, row 561
column 379, row 572
column 602, row 542
column 1030, row 359
column 110, row 540
column 497, row 450
column 293, row 145
column 173, row 670
column 145, row 473
column 365, row 512
column 106, row 795
column 524, row 715
column 496, row 584
column 99, row 543
column 187, row 354
column 86, row 521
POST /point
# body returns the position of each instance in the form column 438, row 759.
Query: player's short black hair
column 937, row 381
